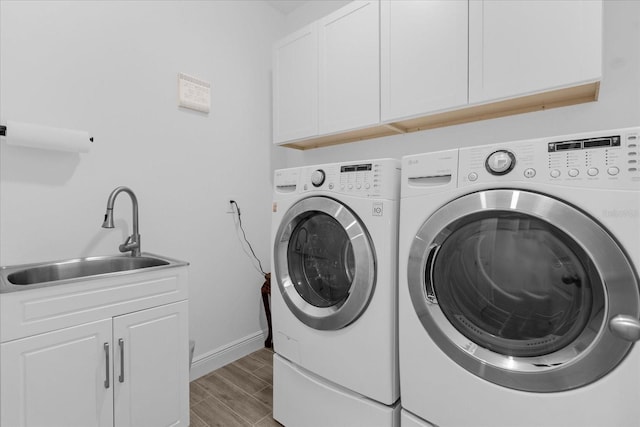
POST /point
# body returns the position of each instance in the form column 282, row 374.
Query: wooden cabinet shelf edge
column 587, row 92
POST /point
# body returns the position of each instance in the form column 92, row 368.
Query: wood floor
column 238, row 394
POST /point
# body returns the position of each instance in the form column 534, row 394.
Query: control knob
column 500, row 162
column 317, row 177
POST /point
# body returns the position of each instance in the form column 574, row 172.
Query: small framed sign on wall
column 194, row 93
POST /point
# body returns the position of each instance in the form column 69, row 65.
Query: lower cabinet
column 125, row 371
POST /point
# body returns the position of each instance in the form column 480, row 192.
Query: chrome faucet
column 132, row 244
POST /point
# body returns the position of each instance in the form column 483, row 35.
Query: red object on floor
column 266, row 294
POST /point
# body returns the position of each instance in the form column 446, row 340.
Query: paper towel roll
column 48, row 138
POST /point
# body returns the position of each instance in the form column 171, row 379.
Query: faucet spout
column 132, row 244
column 108, row 219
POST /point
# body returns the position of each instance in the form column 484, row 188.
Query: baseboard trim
column 212, row 360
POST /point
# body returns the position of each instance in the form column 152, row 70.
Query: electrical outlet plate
column 229, row 208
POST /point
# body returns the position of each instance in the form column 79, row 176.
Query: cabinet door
column 522, row 47
column 424, row 55
column 151, row 367
column 349, row 67
column 59, row 378
column 295, row 86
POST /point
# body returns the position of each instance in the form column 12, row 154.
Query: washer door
column 524, row 290
column 324, row 262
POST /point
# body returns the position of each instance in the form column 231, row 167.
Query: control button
column 633, row 169
column 573, row 173
column 633, row 161
column 350, row 186
column 472, row 176
column 632, row 145
column 331, row 186
column 317, row 177
column 592, row 171
column 342, row 187
column 633, row 153
column 500, row 162
column 529, row 173
column 613, row 171
column 555, row 173
column 367, row 185
column 358, row 186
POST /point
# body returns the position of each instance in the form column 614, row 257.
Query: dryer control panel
column 590, row 156
column 609, row 159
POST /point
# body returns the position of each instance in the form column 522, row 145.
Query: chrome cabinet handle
column 121, row 345
column 625, row 327
column 107, row 383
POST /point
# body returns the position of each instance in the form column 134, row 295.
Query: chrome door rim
column 555, row 371
column 342, row 314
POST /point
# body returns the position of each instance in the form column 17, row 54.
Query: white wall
column 110, row 67
column 618, row 104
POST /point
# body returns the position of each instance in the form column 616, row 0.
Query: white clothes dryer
column 518, row 283
column 334, row 300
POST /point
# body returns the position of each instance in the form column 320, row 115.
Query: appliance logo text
column 621, row 213
column 377, row 209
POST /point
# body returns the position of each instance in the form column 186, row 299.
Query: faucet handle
column 124, row 247
column 132, row 244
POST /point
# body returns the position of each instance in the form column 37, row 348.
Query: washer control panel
column 369, row 178
column 358, row 177
column 609, row 159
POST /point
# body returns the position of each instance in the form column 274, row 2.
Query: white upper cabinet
column 295, row 85
column 424, row 56
column 349, row 67
column 380, row 67
column 522, row 47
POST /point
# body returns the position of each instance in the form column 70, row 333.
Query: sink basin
column 80, row 268
column 44, row 274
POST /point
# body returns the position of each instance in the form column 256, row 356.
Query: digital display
column 580, row 144
column 356, row 168
column 568, row 146
column 601, row 142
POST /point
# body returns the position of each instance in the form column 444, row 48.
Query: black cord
column 244, row 235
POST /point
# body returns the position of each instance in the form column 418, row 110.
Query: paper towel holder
column 3, row 132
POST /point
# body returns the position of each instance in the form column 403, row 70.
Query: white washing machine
column 334, row 300
column 518, row 283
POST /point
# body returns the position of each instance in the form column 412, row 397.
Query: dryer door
column 324, row 262
column 524, row 290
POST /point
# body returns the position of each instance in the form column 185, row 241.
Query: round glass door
column 321, row 261
column 519, row 289
column 324, row 263
column 515, row 285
